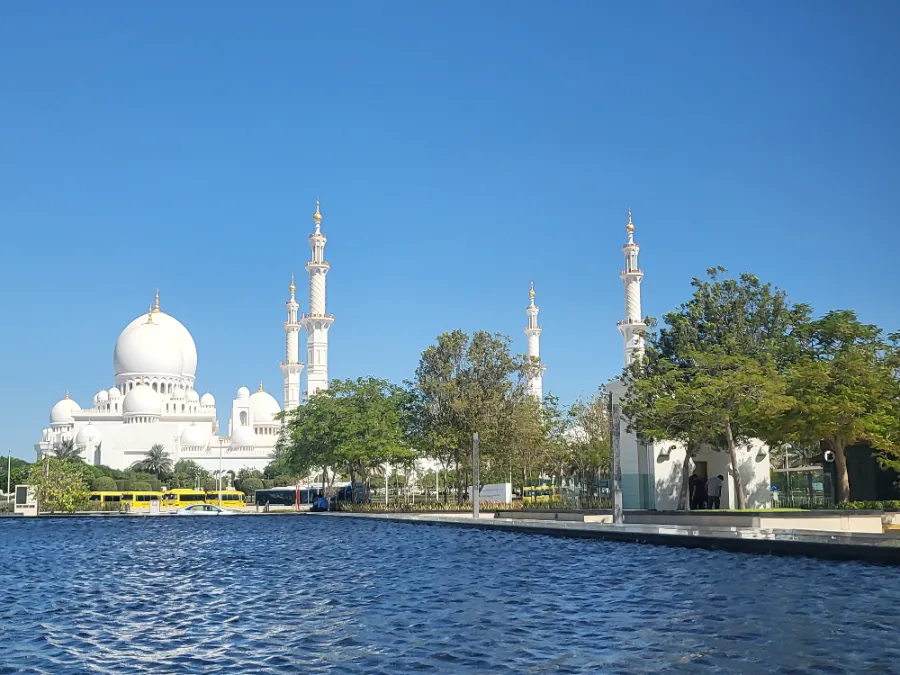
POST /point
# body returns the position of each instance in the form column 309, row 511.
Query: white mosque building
column 153, row 398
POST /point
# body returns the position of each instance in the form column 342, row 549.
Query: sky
column 460, row 150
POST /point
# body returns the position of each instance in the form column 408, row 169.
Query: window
column 243, row 418
column 154, row 387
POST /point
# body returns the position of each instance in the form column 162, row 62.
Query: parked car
column 203, row 510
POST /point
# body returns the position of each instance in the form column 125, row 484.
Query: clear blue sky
column 460, row 149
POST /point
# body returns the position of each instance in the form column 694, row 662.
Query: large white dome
column 149, row 349
column 243, row 437
column 62, row 412
column 133, row 354
column 142, row 400
column 264, row 407
column 89, row 436
column 192, row 437
column 207, row 400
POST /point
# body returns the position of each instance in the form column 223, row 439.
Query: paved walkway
column 865, row 547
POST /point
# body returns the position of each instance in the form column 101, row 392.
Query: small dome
column 193, row 396
column 243, row 437
column 115, row 393
column 141, row 400
column 62, row 412
column 102, row 396
column 208, row 400
column 243, row 392
column 264, row 407
column 192, row 437
column 178, row 394
column 89, row 436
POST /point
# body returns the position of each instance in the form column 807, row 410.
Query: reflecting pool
column 294, row 594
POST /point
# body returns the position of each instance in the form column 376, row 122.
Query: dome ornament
column 260, row 385
column 149, row 314
column 156, row 302
column 317, row 216
column 531, row 291
column 292, row 287
column 629, row 228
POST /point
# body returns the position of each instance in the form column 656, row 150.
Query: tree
column 713, row 374
column 589, row 441
column 18, row 473
column 845, row 390
column 59, row 485
column 186, row 473
column 158, row 462
column 465, row 385
column 66, row 450
column 104, row 484
column 351, row 428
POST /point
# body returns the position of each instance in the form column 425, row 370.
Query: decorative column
column 633, row 327
column 317, row 322
column 291, row 367
column 535, row 384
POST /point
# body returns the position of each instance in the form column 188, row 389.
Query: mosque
column 154, row 398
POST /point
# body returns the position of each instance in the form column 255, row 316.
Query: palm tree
column 66, row 450
column 157, row 461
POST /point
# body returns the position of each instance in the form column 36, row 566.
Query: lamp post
column 476, row 478
column 8, row 474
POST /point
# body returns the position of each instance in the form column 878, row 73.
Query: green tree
column 589, row 441
column 59, row 485
column 349, row 429
column 157, row 462
column 104, row 484
column 18, row 472
column 66, row 450
column 465, row 385
column 845, row 390
column 714, row 373
column 187, row 473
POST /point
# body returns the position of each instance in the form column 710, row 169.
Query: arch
column 243, row 418
column 155, row 385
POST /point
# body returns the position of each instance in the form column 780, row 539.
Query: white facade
column 652, row 473
column 535, row 384
column 317, row 322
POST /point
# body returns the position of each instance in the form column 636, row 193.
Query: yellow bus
column 103, row 497
column 180, row 497
column 140, row 499
column 540, row 493
column 230, row 498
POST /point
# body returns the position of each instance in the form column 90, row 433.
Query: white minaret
column 317, row 322
column 292, row 367
column 535, row 384
column 633, row 326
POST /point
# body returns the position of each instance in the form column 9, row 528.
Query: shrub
column 104, row 484
column 889, row 505
column 141, row 487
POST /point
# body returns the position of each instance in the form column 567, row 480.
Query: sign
column 494, row 492
column 26, row 500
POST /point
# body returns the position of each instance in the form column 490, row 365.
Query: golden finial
column 260, row 385
column 292, row 287
column 630, row 226
column 317, row 216
column 156, row 302
column 531, row 292
column 67, row 394
column 149, row 314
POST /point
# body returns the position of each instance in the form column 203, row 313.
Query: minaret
column 633, row 327
column 291, row 367
column 535, row 384
column 317, row 322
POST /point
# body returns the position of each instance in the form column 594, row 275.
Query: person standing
column 714, row 491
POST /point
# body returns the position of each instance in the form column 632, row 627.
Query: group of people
column 706, row 494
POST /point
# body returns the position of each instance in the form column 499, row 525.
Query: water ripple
column 321, row 595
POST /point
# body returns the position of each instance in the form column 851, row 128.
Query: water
column 319, row 595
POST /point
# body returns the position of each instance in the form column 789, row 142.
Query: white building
column 154, row 400
column 652, row 472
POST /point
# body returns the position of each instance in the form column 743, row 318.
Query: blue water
column 296, row 594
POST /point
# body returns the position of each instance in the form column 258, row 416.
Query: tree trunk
column 735, row 468
column 843, row 477
column 684, row 501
